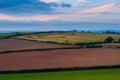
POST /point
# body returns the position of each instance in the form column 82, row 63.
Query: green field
column 105, row 74
column 70, row 37
column 6, row 34
column 13, row 34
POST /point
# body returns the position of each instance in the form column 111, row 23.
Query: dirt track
column 59, row 58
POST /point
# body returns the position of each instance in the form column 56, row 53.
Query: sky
column 50, row 14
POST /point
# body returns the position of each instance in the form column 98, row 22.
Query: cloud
column 102, row 13
column 24, row 6
column 107, row 8
column 78, row 3
column 28, row 6
column 28, row 18
column 99, row 8
column 61, row 10
column 50, row 1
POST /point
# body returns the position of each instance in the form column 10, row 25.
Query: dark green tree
column 119, row 40
column 74, row 30
column 109, row 39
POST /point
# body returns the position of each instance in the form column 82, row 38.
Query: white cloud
column 81, row 0
column 28, row 18
column 49, row 1
column 78, row 2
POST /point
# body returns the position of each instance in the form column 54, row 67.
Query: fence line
column 59, row 69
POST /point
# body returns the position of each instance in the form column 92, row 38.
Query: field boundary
column 27, row 50
column 60, row 69
column 45, row 49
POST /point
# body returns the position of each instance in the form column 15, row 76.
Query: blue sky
column 13, row 12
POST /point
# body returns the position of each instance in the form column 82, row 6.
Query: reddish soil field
column 14, row 44
column 59, row 58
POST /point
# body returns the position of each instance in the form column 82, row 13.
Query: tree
column 119, row 40
column 74, row 30
column 109, row 40
column 108, row 31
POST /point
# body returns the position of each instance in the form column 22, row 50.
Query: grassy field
column 4, row 35
column 108, row 74
column 70, row 38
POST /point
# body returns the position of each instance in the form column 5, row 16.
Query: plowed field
column 59, row 58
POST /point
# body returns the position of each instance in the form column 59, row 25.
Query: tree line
column 110, row 40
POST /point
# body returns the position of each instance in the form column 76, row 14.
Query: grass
column 102, row 74
column 4, row 35
column 70, row 38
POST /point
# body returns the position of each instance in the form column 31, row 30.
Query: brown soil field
column 14, row 44
column 60, row 58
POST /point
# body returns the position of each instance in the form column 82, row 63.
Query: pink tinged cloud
column 28, row 18
column 103, row 8
column 95, row 14
column 96, row 11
